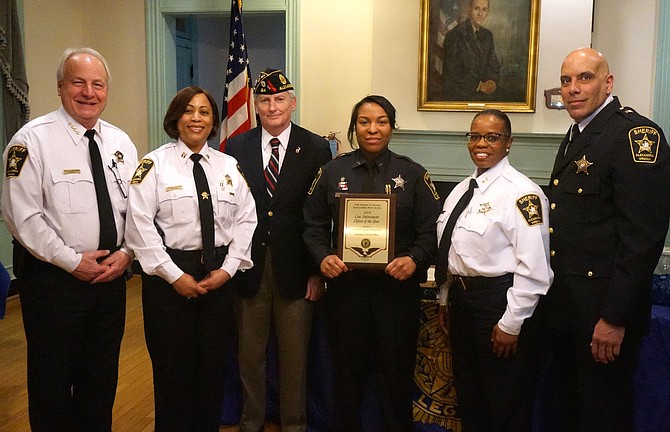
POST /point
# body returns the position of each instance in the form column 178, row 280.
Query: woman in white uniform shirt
column 184, row 296
column 498, row 267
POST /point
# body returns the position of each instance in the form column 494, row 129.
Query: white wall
column 372, row 46
column 625, row 32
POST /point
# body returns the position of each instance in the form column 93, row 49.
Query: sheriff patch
column 142, row 170
column 316, row 180
column 644, row 144
column 17, row 155
column 530, row 207
column 431, row 186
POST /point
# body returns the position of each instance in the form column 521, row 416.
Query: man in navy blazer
column 283, row 284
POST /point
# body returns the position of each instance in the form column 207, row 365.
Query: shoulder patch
column 17, row 155
column 530, row 207
column 142, row 170
column 242, row 174
column 316, row 180
column 644, row 142
column 431, row 186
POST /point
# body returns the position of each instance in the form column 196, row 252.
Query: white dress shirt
column 49, row 201
column 163, row 194
column 493, row 237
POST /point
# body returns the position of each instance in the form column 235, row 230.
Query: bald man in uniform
column 609, row 204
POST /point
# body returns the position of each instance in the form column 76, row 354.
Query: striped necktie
column 272, row 169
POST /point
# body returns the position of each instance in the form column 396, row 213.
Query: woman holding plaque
column 493, row 267
column 373, row 309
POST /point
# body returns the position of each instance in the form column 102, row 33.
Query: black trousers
column 493, row 393
column 583, row 395
column 74, row 331
column 187, row 343
column 373, row 321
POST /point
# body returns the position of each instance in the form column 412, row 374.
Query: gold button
column 555, row 182
column 270, row 213
column 551, row 230
column 590, row 273
column 553, row 206
column 552, row 253
column 580, row 190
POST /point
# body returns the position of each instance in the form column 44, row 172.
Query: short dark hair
column 375, row 99
column 178, row 107
column 507, row 124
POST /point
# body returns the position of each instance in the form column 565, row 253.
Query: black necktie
column 441, row 262
column 272, row 168
column 371, row 172
column 574, row 133
column 206, row 212
column 105, row 212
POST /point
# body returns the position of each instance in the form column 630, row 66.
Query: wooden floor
column 134, row 406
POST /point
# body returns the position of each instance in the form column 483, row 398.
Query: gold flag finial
column 239, row 3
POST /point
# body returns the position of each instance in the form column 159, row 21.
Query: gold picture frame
column 512, row 27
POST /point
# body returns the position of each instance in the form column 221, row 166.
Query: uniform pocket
column 469, row 233
column 177, row 203
column 74, row 191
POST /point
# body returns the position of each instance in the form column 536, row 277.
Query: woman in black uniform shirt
column 373, row 315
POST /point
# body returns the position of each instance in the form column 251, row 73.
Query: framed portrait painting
column 477, row 54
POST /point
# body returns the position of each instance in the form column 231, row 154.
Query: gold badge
column 119, row 156
column 316, row 180
column 431, row 186
column 204, row 195
column 17, row 155
column 583, row 165
column 229, row 181
column 643, row 142
column 484, row 208
column 399, row 182
column 142, row 170
column 530, row 207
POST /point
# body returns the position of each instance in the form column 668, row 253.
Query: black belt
column 196, row 255
column 465, row 283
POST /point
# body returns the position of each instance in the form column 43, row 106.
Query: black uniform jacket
column 610, row 201
column 280, row 220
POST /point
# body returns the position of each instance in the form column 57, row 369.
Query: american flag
column 237, row 111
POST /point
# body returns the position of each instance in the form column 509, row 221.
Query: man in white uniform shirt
column 72, row 289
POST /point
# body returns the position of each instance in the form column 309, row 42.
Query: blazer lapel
column 291, row 161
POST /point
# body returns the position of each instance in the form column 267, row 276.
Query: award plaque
column 367, row 230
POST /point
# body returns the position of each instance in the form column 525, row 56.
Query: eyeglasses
column 117, row 179
column 490, row 138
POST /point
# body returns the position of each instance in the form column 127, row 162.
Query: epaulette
column 345, row 154
column 407, row 158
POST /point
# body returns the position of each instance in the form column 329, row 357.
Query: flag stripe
column 237, row 112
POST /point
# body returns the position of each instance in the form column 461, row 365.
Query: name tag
column 173, row 188
column 71, row 171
